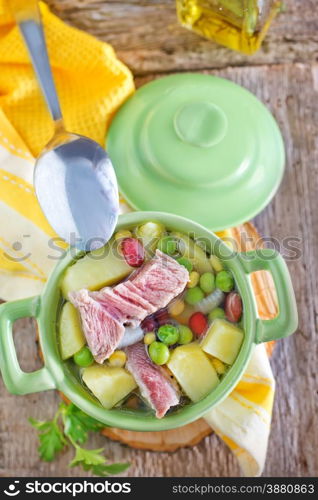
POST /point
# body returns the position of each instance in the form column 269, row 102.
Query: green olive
column 186, row 263
column 207, row 282
column 84, row 357
column 168, row 334
column 185, row 334
column 224, row 281
column 218, row 312
column 193, row 295
column 168, row 245
column 159, row 353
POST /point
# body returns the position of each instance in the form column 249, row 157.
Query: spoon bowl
column 76, row 186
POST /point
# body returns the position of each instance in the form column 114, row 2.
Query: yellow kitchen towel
column 92, row 83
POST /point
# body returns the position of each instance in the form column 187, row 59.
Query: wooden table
column 284, row 75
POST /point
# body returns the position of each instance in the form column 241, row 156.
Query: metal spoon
column 74, row 178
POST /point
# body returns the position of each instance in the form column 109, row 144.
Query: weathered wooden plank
column 148, row 39
column 290, row 91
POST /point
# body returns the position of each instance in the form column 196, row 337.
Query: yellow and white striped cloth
column 243, row 419
column 91, row 83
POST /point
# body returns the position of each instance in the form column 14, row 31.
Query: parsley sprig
column 71, row 426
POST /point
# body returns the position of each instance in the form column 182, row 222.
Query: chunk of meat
column 126, row 312
column 153, row 384
column 109, row 304
column 134, row 290
column 102, row 331
column 151, row 288
column 129, row 292
column 160, row 280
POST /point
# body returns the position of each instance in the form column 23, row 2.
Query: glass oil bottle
column 238, row 24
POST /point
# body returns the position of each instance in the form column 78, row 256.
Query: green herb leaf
column 77, row 424
column 111, row 469
column 88, row 457
column 51, row 438
column 37, row 424
column 94, row 461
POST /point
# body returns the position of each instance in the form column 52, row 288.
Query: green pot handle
column 17, row 381
column 286, row 321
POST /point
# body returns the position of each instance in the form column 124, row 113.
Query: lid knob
column 200, row 123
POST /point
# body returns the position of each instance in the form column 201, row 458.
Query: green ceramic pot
column 57, row 374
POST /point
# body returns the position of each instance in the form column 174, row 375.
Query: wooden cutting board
column 245, row 237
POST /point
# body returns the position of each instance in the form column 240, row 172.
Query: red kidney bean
column 233, row 307
column 162, row 317
column 149, row 324
column 133, row 251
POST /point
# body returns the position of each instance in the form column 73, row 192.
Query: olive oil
column 238, row 24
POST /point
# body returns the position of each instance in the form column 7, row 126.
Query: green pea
column 224, row 281
column 84, row 357
column 193, row 295
column 207, row 282
column 185, row 335
column 218, row 312
column 186, row 263
column 159, row 353
column 168, row 334
column 168, row 245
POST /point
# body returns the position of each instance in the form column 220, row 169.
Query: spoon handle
column 28, row 18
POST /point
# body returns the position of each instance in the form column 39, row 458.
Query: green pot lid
column 198, row 146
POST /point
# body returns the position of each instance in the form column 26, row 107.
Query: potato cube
column 110, row 384
column 193, row 370
column 70, row 335
column 223, row 341
column 95, row 270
